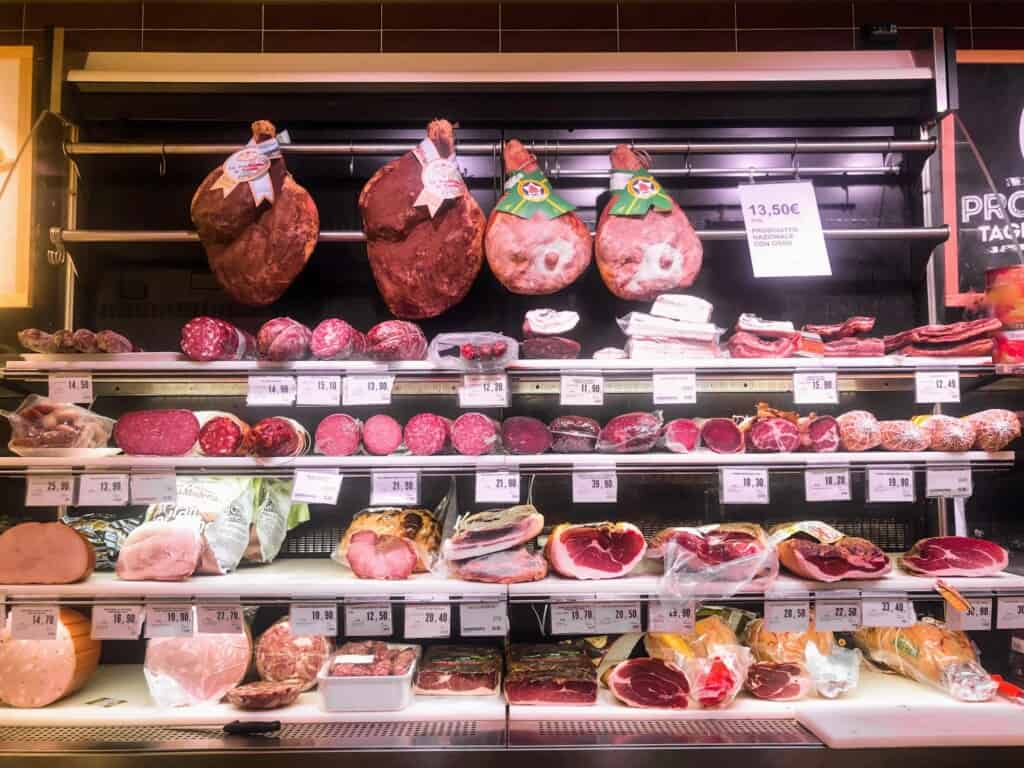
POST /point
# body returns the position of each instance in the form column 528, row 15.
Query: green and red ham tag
column 529, row 192
column 636, row 192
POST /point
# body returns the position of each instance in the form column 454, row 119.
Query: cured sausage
column 994, row 429
column 946, row 433
column 283, row 339
column 278, row 436
column 221, row 434
column 474, row 434
column 338, row 435
column 209, row 338
column 426, row 434
column 170, row 432
column 334, row 339
column 382, row 435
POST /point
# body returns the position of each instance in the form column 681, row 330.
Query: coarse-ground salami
column 573, row 434
column 338, row 435
column 525, row 435
column 35, row 340
column 636, row 432
column 681, row 436
column 209, row 338
column 947, row 433
column 396, row 340
column 427, row 434
column 170, row 432
column 111, row 342
column 994, row 429
column 282, row 655
column 283, row 339
column 221, row 434
column 903, row 435
column 64, row 340
column 264, row 695
column 474, row 434
column 334, row 339
column 85, row 341
column 859, row 431
column 277, row 436
column 382, row 435
column 549, row 348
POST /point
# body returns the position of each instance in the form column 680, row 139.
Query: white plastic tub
column 379, row 693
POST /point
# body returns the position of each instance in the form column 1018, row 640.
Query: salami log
column 859, row 431
column 994, row 429
column 282, row 655
column 525, row 435
column 903, row 435
column 221, row 434
column 474, row 434
column 208, row 338
column 427, row 434
column 44, row 553
column 573, row 434
column 338, row 435
column 157, row 433
column 277, row 436
column 396, row 340
column 283, row 339
column 334, row 339
column 382, row 435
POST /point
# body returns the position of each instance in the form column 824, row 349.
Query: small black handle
column 251, row 727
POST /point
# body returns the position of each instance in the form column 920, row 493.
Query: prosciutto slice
column 650, row 683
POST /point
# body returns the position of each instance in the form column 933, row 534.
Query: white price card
column 595, row 486
column 573, row 619
column 814, row 387
column 316, row 487
column 890, row 485
column 618, row 618
column 977, row 616
column 483, row 619
column 837, row 615
column 937, row 387
column 1010, row 613
column 220, row 619
column 675, row 388
column 313, row 619
column 746, row 485
column 318, row 390
column 581, row 390
column 34, row 622
column 950, row 482
column 394, row 488
column 368, row 620
column 827, row 484
column 888, row 611
column 271, row 390
column 788, row 616
column 70, row 389
column 428, row 620
column 784, row 230
column 168, row 620
column 488, row 390
column 676, row 616
column 497, row 487
column 375, row 389
column 103, row 490
column 116, row 622
column 49, row 490
column 154, row 488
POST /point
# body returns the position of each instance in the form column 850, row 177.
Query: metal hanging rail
column 738, row 173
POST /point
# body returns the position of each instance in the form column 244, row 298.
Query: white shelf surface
column 127, row 682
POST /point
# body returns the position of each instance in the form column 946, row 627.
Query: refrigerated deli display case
column 429, row 405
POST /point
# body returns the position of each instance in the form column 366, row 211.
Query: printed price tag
column 675, row 388
column 888, row 611
column 103, row 490
column 497, row 487
column 368, row 620
column 595, row 487
column 950, row 482
column 316, row 487
column 70, row 389
column 1010, row 613
column 155, row 488
column 582, row 390
column 170, row 620
column 318, row 390
column 671, row 616
column 815, row 387
column 827, row 484
column 49, row 490
column 837, row 615
column 34, row 622
column 116, row 622
column 271, row 390
column 367, row 390
column 890, row 485
column 220, row 619
column 483, row 619
column 978, row 616
column 317, row 619
column 484, row 391
column 573, row 619
column 784, row 230
column 744, row 486
column 618, row 618
column 937, row 387
column 787, row 617
column 428, row 620
column 394, row 489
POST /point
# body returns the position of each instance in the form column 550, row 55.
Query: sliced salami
column 221, row 434
column 278, row 436
column 474, row 434
column 334, row 339
column 338, row 435
column 209, row 338
column 859, row 431
column 903, row 435
column 427, row 434
column 382, row 435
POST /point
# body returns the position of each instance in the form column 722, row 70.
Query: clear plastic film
column 785, row 647
column 640, row 324
column 834, row 673
column 273, row 516
column 477, row 351
column 39, row 422
column 717, row 560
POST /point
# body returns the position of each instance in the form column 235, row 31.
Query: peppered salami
column 427, row 434
column 903, row 435
column 994, row 429
column 221, row 434
column 382, row 435
column 338, row 435
column 859, row 431
column 209, row 338
column 282, row 655
column 111, row 342
column 573, row 434
column 474, row 434
column 947, row 433
column 334, row 339
column 277, row 436
column 396, row 340
column 525, row 435
column 283, row 339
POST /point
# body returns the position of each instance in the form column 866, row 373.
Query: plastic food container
column 381, row 693
column 1004, row 292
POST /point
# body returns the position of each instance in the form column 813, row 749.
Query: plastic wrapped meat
column 784, row 647
column 718, row 559
column 833, row 674
column 39, row 422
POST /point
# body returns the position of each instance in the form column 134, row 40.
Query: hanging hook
column 163, row 161
column 796, row 168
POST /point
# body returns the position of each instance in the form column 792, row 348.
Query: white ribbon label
column 440, row 177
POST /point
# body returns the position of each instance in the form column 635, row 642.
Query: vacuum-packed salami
column 209, row 338
column 630, row 433
column 396, row 340
column 859, row 431
column 382, row 435
column 573, row 434
column 525, row 435
column 220, row 434
column 946, row 433
column 427, row 434
column 338, row 435
column 474, row 434
column 681, row 435
column 903, row 435
column 283, row 339
column 170, row 432
column 994, row 429
column 278, row 436
column 334, row 339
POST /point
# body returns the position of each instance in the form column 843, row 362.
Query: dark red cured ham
column 424, row 263
column 818, row 433
column 847, row 558
column 525, row 435
column 511, row 566
column 381, row 557
column 955, row 556
column 650, row 683
column 950, row 334
column 636, row 432
column 681, row 436
column 721, row 435
column 726, row 552
column 264, row 695
column 595, row 550
column 851, row 347
column 778, row 681
column 550, row 673
column 849, row 327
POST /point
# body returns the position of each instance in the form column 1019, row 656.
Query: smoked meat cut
column 595, row 550
column 648, row 682
column 493, row 530
column 424, row 231
column 955, row 556
column 859, row 431
column 848, row 557
column 373, row 556
column 994, row 429
column 258, row 232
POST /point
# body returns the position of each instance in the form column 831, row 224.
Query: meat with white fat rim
column 648, row 682
column 493, row 530
column 955, row 556
column 595, row 550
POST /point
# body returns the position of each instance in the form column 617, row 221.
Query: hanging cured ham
column 257, row 224
column 535, row 243
column 645, row 244
column 424, row 231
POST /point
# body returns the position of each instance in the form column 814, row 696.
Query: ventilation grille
column 309, row 541
column 637, row 733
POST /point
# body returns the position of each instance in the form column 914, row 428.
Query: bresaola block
column 573, row 434
column 681, row 436
column 493, row 530
column 525, row 435
column 636, row 432
column 721, row 435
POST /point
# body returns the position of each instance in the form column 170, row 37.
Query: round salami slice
column 903, row 435
column 573, row 434
column 427, row 434
column 525, row 435
column 278, row 436
column 282, row 655
column 264, row 695
column 947, row 433
column 334, row 339
column 859, row 431
column 338, row 435
column 382, row 435
column 221, row 434
column 474, row 434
